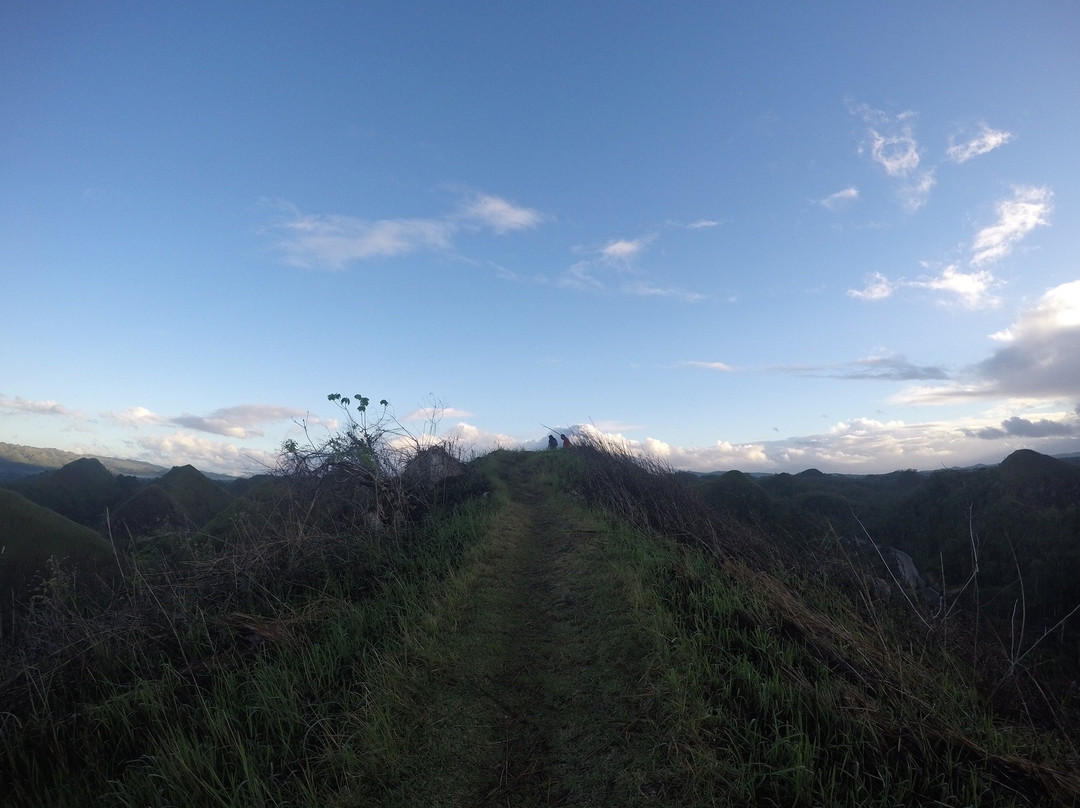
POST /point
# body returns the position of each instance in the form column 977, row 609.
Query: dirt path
column 529, row 685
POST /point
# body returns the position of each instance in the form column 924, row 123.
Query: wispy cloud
column 622, row 250
column 233, row 422
column 914, row 194
column 701, row 224
column 897, row 153
column 972, row 287
column 615, row 266
column 972, row 290
column 135, row 417
column 723, row 367
column 436, row 413
column 895, row 367
column 890, row 139
column 500, row 215
column 877, row 287
column 840, row 198
column 646, row 289
column 237, row 422
column 890, row 142
column 891, row 367
column 335, row 241
column 1028, row 208
column 19, row 404
column 987, row 140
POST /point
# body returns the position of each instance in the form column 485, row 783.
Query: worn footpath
column 528, row 687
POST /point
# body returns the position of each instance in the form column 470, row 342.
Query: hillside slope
column 29, row 536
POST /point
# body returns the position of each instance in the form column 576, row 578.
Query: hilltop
column 571, row 627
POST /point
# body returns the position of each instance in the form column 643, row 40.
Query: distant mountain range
column 18, row 461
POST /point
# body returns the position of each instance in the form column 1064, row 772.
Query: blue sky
column 765, row 236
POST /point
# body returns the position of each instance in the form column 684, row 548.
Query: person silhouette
column 565, row 441
column 552, row 443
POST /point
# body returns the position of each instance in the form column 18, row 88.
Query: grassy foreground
column 570, row 629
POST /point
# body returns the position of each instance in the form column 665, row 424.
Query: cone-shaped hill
column 81, row 490
column 150, row 510
column 200, row 497
column 1038, row 480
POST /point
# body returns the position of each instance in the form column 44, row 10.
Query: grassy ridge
column 306, row 666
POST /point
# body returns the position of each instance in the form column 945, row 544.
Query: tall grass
column 247, row 673
column 785, row 686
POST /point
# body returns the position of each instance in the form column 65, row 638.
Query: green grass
column 252, row 680
column 782, row 689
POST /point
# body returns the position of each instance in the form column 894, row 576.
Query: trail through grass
column 528, row 686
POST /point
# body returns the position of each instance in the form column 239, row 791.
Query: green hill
column 29, row 536
column 257, row 501
column 30, row 533
column 149, row 511
column 200, row 497
column 81, row 490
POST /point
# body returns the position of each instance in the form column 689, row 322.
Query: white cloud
column 233, row 422
column 237, row 422
column 1028, row 208
column 500, row 215
column 335, row 240
column 890, row 139
column 720, row 366
column 623, row 249
column 1039, row 357
column 436, row 413
column 970, row 289
column 835, row 200
column 135, row 417
column 182, row 448
column 581, row 276
column 914, row 194
column 988, row 140
column 620, row 257
column 878, row 287
column 19, row 404
column 897, row 153
column 330, row 240
column 644, row 289
column 703, row 223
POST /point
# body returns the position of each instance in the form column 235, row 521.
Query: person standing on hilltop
column 565, row 441
column 552, row 443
